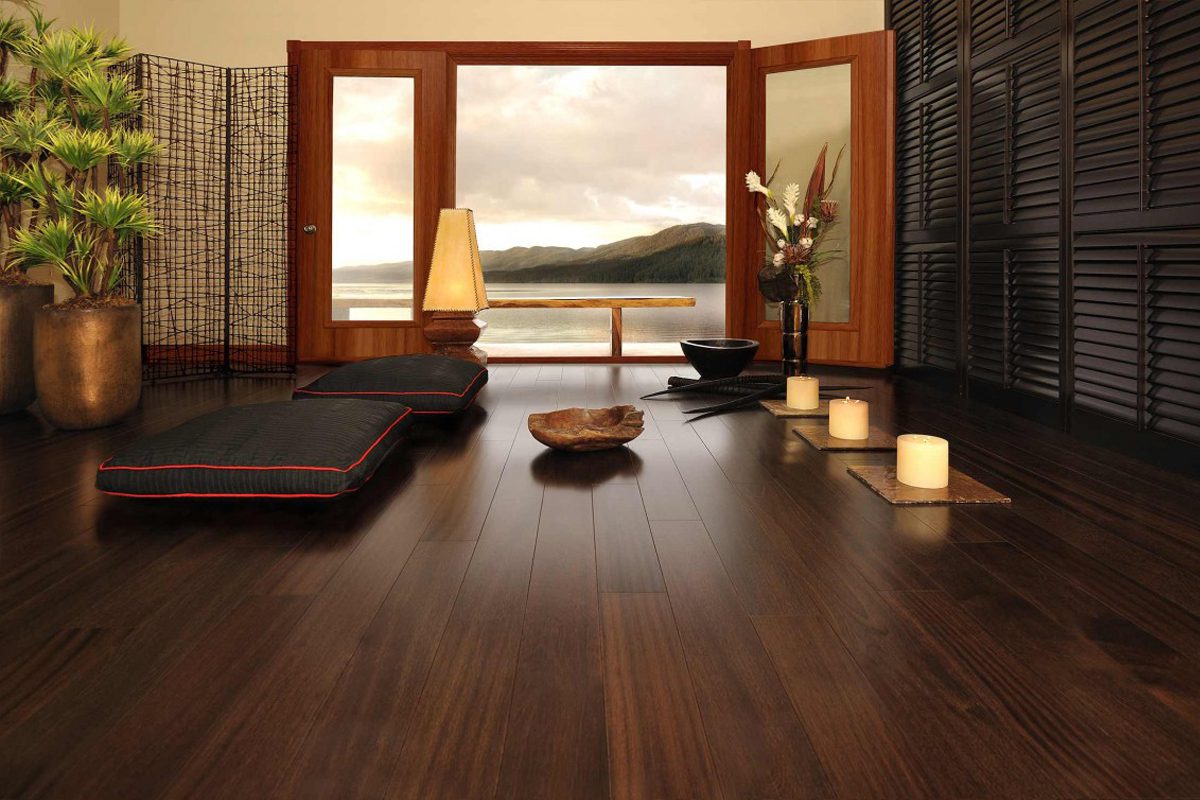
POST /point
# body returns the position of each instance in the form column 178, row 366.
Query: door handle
column 310, row 229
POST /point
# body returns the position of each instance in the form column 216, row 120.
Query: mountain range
column 692, row 253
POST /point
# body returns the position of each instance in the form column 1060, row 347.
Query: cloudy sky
column 571, row 156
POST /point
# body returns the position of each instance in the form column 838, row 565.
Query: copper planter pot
column 88, row 364
column 18, row 305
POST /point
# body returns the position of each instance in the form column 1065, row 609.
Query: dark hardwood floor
column 718, row 611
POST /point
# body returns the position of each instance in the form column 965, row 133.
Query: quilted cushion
column 319, row 449
column 426, row 383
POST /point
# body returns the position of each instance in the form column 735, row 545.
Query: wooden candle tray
column 818, row 437
column 781, row 409
column 962, row 488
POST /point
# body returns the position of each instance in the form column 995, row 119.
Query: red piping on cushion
column 239, row 496
column 470, row 403
column 400, row 394
column 105, row 468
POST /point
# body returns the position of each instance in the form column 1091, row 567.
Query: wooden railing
column 614, row 303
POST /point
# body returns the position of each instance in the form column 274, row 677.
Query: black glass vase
column 793, row 326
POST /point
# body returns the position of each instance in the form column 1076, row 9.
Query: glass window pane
column 372, row 233
column 805, row 109
column 595, row 181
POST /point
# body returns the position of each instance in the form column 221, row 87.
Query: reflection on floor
column 719, row 610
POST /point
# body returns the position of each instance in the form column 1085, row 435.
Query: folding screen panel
column 215, row 283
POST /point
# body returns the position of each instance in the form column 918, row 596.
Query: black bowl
column 719, row 358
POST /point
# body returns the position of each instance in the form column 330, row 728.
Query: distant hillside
column 680, row 254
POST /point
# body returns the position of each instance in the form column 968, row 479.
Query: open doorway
column 591, row 182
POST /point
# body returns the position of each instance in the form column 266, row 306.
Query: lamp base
column 454, row 333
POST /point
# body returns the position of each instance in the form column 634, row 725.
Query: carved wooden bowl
column 582, row 430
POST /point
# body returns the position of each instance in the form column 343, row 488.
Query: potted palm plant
column 87, row 350
column 20, row 297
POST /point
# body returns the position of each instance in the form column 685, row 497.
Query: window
column 373, row 125
column 595, row 181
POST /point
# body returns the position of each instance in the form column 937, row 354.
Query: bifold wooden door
column 840, row 92
column 364, row 117
column 375, row 161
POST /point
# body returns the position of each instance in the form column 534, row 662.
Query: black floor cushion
column 322, row 448
column 428, row 384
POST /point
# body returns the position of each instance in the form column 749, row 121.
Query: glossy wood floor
column 719, row 611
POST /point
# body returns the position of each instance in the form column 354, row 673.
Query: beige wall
column 103, row 14
column 255, row 32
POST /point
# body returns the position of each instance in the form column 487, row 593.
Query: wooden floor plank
column 457, row 738
column 862, row 755
column 625, row 554
column 757, row 742
column 247, row 752
column 657, row 747
column 354, row 742
column 555, row 745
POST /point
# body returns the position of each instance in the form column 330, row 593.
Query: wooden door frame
column 745, row 76
column 868, row 338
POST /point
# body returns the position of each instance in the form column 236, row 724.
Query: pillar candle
column 803, row 392
column 849, row 419
column 923, row 461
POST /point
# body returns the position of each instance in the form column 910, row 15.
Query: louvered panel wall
column 927, row 163
column 1172, row 33
column 927, row 305
column 1172, row 312
column 1106, row 324
column 995, row 21
column 927, row 177
column 1015, row 154
column 1107, row 112
column 1082, row 275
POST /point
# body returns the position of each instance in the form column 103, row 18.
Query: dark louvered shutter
column 1015, row 155
column 1080, row 266
column 927, row 176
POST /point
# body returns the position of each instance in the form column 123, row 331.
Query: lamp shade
column 455, row 274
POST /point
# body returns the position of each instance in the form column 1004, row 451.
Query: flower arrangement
column 795, row 232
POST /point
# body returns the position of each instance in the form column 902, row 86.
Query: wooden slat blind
column 1076, row 251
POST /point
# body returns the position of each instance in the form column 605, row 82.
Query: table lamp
column 455, row 293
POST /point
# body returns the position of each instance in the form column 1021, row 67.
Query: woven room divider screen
column 215, row 285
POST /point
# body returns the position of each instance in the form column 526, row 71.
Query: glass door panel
column 805, row 109
column 372, row 231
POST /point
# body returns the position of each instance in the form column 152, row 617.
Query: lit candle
column 923, row 461
column 803, row 392
column 849, row 419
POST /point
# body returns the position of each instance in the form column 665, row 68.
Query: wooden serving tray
column 962, row 489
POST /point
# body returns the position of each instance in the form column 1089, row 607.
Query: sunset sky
column 571, row 156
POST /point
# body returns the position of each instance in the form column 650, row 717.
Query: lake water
column 561, row 326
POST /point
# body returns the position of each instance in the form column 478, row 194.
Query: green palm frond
column 45, row 189
column 13, row 33
column 51, row 243
column 27, row 130
column 134, row 147
column 81, row 150
column 110, row 96
column 122, row 214
column 12, row 188
column 12, row 93
column 59, row 54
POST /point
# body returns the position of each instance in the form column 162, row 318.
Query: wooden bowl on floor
column 583, row 430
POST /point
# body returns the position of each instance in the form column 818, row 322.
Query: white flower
column 812, row 222
column 754, row 184
column 781, row 244
column 791, row 196
column 806, row 242
column 777, row 260
column 778, row 220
